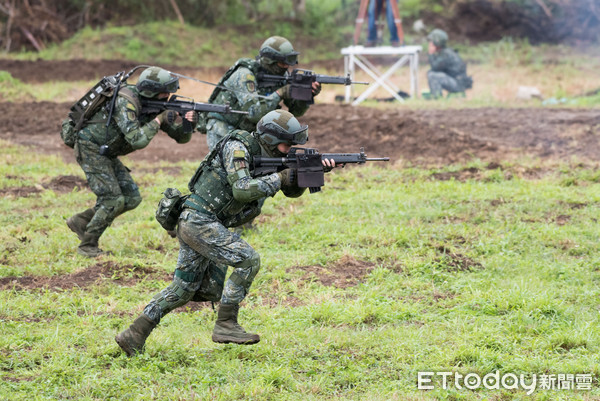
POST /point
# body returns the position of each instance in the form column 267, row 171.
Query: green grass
column 493, row 273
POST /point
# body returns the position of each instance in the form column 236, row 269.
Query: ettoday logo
column 507, row 381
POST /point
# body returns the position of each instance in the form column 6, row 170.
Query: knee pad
column 170, row 298
column 114, row 206
column 131, row 202
column 251, row 266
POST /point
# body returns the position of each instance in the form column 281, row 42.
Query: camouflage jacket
column 449, row 62
column 223, row 185
column 244, row 88
column 129, row 130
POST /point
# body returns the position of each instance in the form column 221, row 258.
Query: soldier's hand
column 328, row 165
column 285, row 92
column 162, row 117
column 192, row 117
column 288, row 177
column 316, row 88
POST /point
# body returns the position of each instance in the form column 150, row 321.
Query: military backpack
column 84, row 109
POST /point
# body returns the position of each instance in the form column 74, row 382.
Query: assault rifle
column 183, row 106
column 301, row 82
column 308, row 164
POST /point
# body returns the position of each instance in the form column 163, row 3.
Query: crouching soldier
column 448, row 71
column 97, row 149
column 224, row 194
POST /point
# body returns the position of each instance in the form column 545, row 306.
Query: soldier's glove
column 194, row 119
column 171, row 116
column 289, row 177
column 316, row 90
column 162, row 117
column 285, row 92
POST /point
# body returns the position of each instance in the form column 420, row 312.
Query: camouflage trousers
column 206, row 249
column 215, row 131
column 110, row 181
column 439, row 80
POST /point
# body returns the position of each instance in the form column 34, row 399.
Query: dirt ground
column 431, row 137
column 423, row 137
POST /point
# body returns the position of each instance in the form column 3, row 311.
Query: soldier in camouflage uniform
column 275, row 57
column 130, row 129
column 224, row 194
column 448, row 71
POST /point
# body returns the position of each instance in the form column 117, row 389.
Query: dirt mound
column 127, row 275
column 344, row 273
column 66, row 183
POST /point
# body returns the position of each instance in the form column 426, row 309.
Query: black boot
column 133, row 339
column 79, row 222
column 227, row 329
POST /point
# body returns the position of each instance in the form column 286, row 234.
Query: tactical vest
column 223, row 96
column 211, row 190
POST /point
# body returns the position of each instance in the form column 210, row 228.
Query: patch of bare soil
column 434, row 137
column 126, row 275
column 346, row 272
column 66, row 183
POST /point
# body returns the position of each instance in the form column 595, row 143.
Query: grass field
column 495, row 269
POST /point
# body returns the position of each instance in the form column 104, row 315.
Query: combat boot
column 79, row 222
column 227, row 329
column 89, row 246
column 133, row 339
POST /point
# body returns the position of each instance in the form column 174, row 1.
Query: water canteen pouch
column 169, row 208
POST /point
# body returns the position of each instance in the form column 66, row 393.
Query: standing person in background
column 375, row 7
column 448, row 71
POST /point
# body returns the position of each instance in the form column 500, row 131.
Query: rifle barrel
column 377, row 159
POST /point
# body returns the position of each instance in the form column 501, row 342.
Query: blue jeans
column 374, row 10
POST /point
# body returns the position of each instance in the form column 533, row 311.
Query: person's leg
column 191, row 267
column 210, row 238
column 439, row 81
column 372, row 24
column 102, row 180
column 391, row 24
column 129, row 188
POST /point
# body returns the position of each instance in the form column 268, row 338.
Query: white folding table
column 357, row 56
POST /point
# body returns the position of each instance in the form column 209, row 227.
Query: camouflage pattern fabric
column 206, row 243
column 439, row 81
column 107, row 177
column 244, row 88
column 447, row 72
column 110, row 181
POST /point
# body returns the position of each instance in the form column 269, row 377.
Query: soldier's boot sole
column 228, row 339
column 90, row 252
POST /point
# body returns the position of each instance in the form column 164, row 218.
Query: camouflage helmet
column 438, row 38
column 155, row 80
column 280, row 126
column 278, row 49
